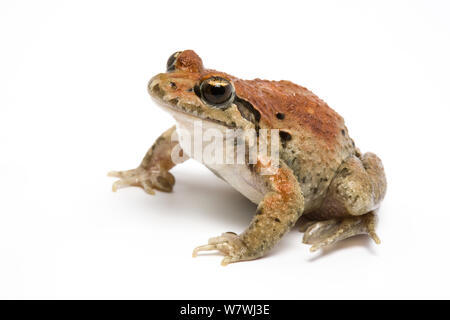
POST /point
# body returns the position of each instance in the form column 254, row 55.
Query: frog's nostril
column 155, row 90
column 173, row 85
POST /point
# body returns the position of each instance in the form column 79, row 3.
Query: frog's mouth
column 179, row 108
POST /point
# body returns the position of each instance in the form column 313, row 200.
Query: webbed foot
column 146, row 179
column 327, row 232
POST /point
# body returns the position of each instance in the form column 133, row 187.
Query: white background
column 74, row 105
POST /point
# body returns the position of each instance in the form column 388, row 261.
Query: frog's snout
column 154, row 87
column 174, row 92
column 163, row 90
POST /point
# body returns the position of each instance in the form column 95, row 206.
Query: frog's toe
column 145, row 179
column 163, row 181
column 325, row 233
column 322, row 233
column 229, row 244
column 123, row 174
column 133, row 182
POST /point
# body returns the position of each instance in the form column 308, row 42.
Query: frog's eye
column 217, row 91
column 171, row 61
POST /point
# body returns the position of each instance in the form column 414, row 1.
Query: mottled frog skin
column 322, row 181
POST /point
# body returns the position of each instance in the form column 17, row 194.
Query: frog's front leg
column 278, row 211
column 153, row 172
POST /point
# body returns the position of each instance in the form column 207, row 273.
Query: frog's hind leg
column 349, row 206
column 324, row 233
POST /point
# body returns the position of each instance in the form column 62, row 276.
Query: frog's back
column 286, row 105
column 314, row 137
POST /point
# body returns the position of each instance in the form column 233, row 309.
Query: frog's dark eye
column 171, row 61
column 217, row 91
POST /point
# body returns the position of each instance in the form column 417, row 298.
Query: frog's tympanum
column 322, row 181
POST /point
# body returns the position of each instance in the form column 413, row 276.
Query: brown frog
column 321, row 178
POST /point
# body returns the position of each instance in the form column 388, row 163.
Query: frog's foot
column 327, row 232
column 144, row 178
column 229, row 244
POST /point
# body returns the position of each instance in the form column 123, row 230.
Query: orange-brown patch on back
column 301, row 108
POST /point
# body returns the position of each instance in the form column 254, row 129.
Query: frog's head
column 187, row 89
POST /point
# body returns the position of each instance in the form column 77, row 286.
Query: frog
column 321, row 183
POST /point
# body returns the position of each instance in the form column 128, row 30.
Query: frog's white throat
column 192, row 130
column 237, row 175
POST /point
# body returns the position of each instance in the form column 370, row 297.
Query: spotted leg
column 276, row 214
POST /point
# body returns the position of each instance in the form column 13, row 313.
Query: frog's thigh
column 347, row 210
column 357, row 189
